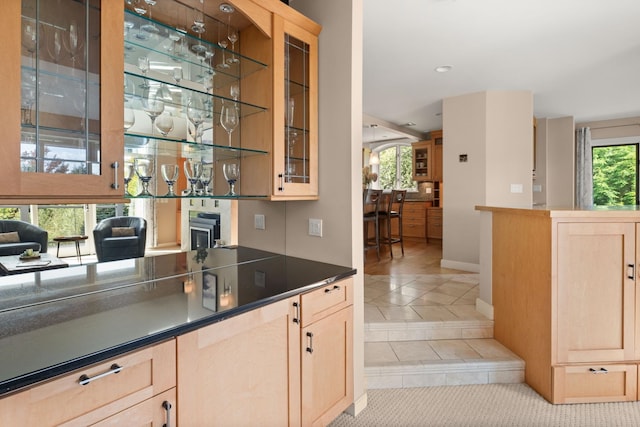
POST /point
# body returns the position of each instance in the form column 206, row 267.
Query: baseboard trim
column 484, row 308
column 356, row 407
column 457, row 265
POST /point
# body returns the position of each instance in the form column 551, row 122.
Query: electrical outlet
column 315, row 227
column 258, row 221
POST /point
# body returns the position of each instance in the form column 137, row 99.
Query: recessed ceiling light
column 443, row 68
column 226, row 8
column 410, row 124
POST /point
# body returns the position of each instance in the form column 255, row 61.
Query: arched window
column 394, row 170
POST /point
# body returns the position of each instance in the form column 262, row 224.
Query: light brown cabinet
column 414, row 219
column 327, row 352
column 565, row 300
column 63, row 126
column 139, row 383
column 436, row 140
column 422, row 165
column 434, row 223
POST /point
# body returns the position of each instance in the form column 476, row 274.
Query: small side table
column 75, row 239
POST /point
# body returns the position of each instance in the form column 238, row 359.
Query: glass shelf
column 169, row 48
column 138, row 87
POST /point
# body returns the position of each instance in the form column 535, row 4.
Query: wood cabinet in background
column 434, row 223
column 436, row 140
column 565, row 300
column 422, row 160
column 414, row 217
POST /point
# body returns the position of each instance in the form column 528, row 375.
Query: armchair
column 17, row 236
column 120, row 237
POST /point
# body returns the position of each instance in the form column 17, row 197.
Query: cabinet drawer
column 326, row 300
column 158, row 411
column 595, row 383
column 63, row 400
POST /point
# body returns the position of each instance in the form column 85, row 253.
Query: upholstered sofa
column 120, row 237
column 17, row 236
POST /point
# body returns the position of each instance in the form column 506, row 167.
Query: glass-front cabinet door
column 64, row 137
column 295, row 149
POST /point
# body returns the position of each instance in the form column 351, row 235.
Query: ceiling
column 579, row 58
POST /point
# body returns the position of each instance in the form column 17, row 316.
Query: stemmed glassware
column 223, row 43
column 229, row 117
column 206, row 178
column 196, row 114
column 231, row 174
column 129, row 117
column 164, row 123
column 177, row 74
column 144, row 170
column 128, row 176
column 73, row 43
column 232, row 35
column 292, row 135
column 170, row 176
column 198, row 28
column 193, row 172
column 29, row 37
column 153, row 107
column 143, row 64
column 150, row 27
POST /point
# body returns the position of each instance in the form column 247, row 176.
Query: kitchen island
column 565, row 298
column 66, row 320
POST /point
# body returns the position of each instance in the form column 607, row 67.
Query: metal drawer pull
column 85, row 379
column 296, row 318
column 598, row 371
column 335, row 288
column 167, row 406
column 310, row 347
column 630, row 271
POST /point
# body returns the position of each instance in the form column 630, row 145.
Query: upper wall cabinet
column 63, row 134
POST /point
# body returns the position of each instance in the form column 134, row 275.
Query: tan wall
column 540, row 197
column 560, row 162
column 617, row 128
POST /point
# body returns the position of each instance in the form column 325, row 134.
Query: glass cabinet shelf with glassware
column 56, row 74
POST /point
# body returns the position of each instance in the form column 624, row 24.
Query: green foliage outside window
column 9, row 213
column 614, row 175
column 394, row 171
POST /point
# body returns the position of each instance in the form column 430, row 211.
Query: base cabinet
column 143, row 375
column 565, row 300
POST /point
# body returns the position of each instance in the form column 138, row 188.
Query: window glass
column 615, row 175
column 394, row 171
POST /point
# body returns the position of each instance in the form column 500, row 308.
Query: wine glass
column 128, row 176
column 129, row 117
column 229, row 118
column 150, row 27
column 144, row 170
column 232, row 35
column 164, row 123
column 73, row 42
column 231, row 174
column 206, row 178
column 198, row 28
column 223, row 43
column 143, row 64
column 177, row 74
column 54, row 46
column 292, row 135
column 153, row 107
column 196, row 114
column 29, row 38
column 235, row 91
column 170, row 176
column 193, row 172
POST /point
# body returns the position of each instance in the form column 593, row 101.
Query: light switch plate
column 315, row 227
column 258, row 221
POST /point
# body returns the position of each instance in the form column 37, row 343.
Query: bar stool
column 370, row 209
column 396, row 198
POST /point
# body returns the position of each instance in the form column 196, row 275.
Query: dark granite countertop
column 56, row 321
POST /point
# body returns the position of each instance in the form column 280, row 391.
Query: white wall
column 495, row 131
column 340, row 151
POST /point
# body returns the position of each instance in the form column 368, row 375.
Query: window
column 615, row 175
column 394, row 170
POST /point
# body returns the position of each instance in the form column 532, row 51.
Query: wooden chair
column 371, row 212
column 395, row 199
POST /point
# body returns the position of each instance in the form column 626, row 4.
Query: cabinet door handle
column 335, row 288
column 631, row 271
column 167, row 407
column 85, row 379
column 281, row 186
column 598, row 371
column 115, row 184
column 296, row 317
column 310, row 346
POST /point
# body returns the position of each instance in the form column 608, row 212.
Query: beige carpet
column 484, row 405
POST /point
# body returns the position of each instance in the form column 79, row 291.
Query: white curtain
column 584, row 168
